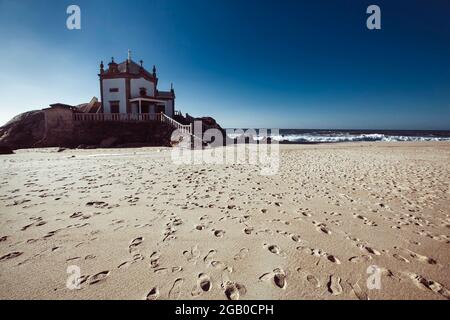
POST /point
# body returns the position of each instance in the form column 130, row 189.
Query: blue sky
column 248, row 63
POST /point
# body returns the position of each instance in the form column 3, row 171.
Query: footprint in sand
column 321, row 227
column 50, row 234
column 420, row 257
column 97, row 204
column 334, row 285
column 400, row 258
column 175, row 291
column 75, row 215
column 306, row 214
column 357, row 291
column 196, row 291
column 204, row 282
column 154, row 259
column 99, row 277
column 219, row 233
column 389, row 273
column 162, row 270
column 317, row 252
column 83, row 279
column 359, row 259
column 324, row 229
column 226, row 275
column 313, row 280
column 192, row 254
column 208, row 258
column 265, row 232
column 138, row 257
column 275, row 250
column 233, row 291
column 134, row 251
column 424, row 283
column 72, row 259
column 278, row 276
column 153, row 294
column 125, row 264
column 26, row 227
column 176, row 269
column 242, row 254
column 203, row 285
column 217, row 264
column 365, row 220
column 372, row 251
column 135, row 242
column 333, row 259
column 11, row 255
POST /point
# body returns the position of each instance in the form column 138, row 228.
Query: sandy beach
column 139, row 226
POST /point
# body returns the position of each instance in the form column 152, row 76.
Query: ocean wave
column 322, row 138
column 355, row 138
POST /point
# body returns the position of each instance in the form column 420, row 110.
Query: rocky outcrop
column 55, row 127
column 24, row 130
column 207, row 123
column 6, row 150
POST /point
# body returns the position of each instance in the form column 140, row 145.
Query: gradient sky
column 247, row 63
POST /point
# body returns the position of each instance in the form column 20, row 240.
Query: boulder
column 23, row 131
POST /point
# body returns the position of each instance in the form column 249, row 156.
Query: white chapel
column 128, row 87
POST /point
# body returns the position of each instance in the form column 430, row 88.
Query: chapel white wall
column 114, row 96
column 137, row 84
column 169, row 108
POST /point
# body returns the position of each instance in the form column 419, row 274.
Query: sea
column 313, row 136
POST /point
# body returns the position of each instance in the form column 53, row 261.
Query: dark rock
column 134, row 145
column 6, row 150
column 24, row 130
column 207, row 123
column 30, row 130
column 56, row 127
column 108, row 142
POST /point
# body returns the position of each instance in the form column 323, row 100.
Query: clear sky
column 247, row 63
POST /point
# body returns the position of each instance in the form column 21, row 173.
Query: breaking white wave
column 354, row 138
column 345, row 137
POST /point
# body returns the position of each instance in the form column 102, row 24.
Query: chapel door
column 160, row 108
column 114, row 107
column 145, row 108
